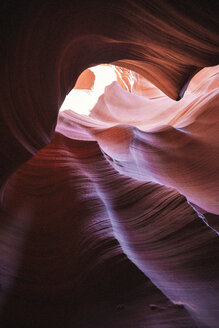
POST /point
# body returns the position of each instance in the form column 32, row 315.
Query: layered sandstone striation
column 109, row 216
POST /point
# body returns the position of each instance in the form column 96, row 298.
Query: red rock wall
column 91, row 207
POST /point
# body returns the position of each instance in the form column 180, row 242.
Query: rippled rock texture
column 109, row 219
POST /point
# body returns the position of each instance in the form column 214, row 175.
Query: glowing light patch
column 82, row 101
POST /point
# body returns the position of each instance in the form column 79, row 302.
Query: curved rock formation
column 92, row 206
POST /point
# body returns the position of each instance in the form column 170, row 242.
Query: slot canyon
column 109, row 164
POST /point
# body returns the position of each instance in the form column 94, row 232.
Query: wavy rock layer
column 129, row 192
column 50, row 44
